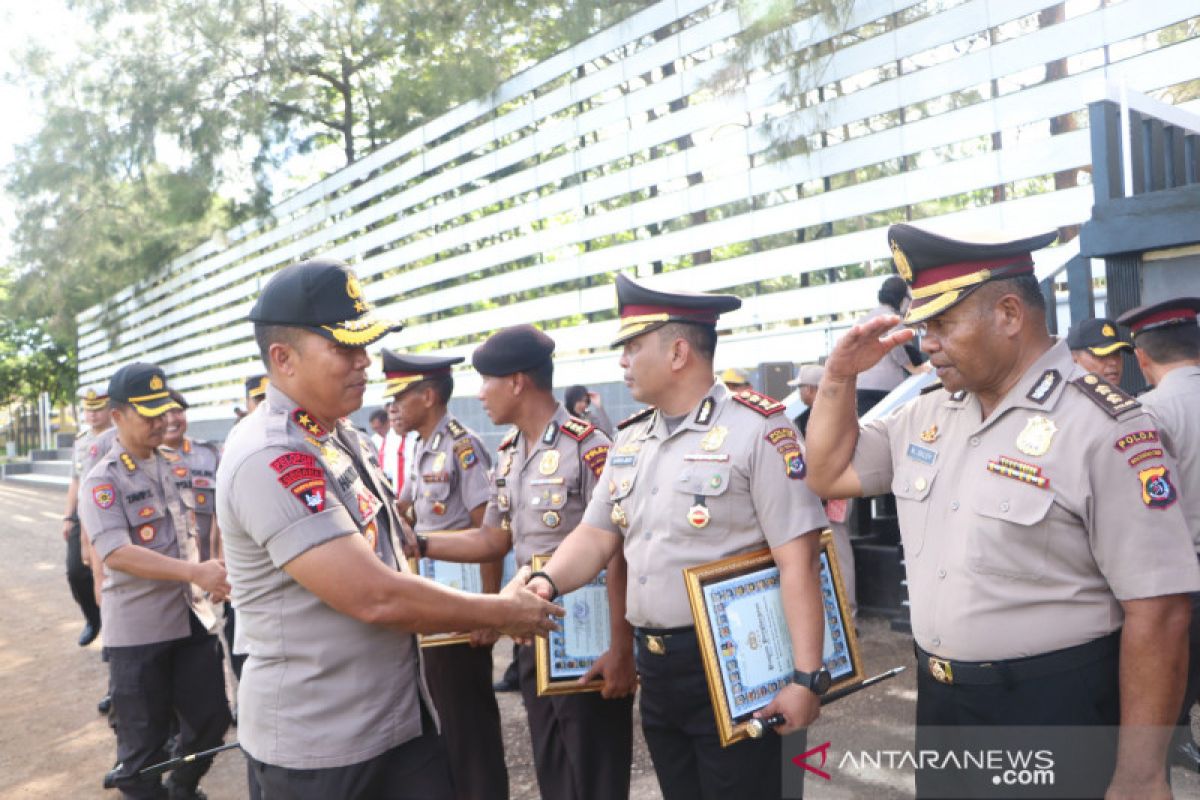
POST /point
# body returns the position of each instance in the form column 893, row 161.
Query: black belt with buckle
column 1013, row 670
column 657, row 640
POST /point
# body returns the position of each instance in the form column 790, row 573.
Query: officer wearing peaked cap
column 90, row 445
column 448, row 491
column 1097, row 346
column 256, row 391
column 1167, row 341
column 701, row 475
column 547, row 469
column 1019, row 484
column 332, row 701
column 158, row 594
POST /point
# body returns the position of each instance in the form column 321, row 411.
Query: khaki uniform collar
column 699, row 418
column 1039, row 389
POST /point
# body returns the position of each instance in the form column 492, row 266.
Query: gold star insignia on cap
column 353, row 287
column 156, row 383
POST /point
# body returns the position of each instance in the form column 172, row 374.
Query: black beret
column 516, row 349
column 143, row 386
column 943, row 271
column 322, row 296
column 1167, row 314
column 643, row 309
column 403, row 371
column 1100, row 336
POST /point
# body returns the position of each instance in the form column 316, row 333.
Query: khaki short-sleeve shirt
column 1023, row 532
column 541, row 488
column 450, row 478
column 1175, row 404
column 125, row 501
column 320, row 689
column 89, row 448
column 727, row 480
column 194, row 465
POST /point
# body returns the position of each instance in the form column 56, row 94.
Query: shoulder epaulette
column 636, row 416
column 509, row 440
column 456, row 429
column 933, row 387
column 1112, row 399
column 577, row 429
column 759, row 403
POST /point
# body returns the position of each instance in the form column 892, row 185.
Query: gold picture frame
column 719, row 591
column 422, row 567
column 586, row 623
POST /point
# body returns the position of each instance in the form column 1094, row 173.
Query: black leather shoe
column 89, row 634
column 506, row 685
column 105, row 704
column 180, row 793
column 1186, row 755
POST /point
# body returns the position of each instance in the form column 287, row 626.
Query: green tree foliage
column 172, row 107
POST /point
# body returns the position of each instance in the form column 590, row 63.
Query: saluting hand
column 799, row 707
column 864, row 345
column 210, row 576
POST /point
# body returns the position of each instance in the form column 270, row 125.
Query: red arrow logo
column 802, row 760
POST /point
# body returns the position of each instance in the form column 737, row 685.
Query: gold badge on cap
column 1035, row 439
column 714, row 438
column 156, row 383
column 930, row 434
column 549, row 463
column 902, row 265
column 618, row 516
column 1107, row 330
column 551, row 519
column 698, row 516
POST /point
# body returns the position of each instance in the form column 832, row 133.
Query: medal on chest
column 439, row 462
column 549, row 462
column 618, row 516
column 699, row 516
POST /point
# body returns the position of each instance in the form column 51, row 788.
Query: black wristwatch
column 422, row 544
column 816, row 682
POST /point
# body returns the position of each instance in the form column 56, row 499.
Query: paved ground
column 53, row 745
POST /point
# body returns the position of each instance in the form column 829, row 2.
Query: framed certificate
column 744, row 638
column 464, row 577
column 564, row 656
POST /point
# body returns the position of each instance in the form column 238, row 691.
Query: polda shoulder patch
column 759, row 403
column 637, row 416
column 1110, row 398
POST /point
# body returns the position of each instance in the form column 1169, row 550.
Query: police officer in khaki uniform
column 332, row 701
column 449, row 492
column 702, row 475
column 1097, row 346
column 1167, row 341
column 1036, row 515
column 90, row 445
column 194, row 463
column 547, row 469
column 163, row 659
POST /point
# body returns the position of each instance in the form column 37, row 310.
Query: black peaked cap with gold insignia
column 943, row 272
column 1167, row 314
column 516, row 349
column 325, row 297
column 643, row 309
column 143, row 386
column 93, row 398
column 256, row 386
column 403, row 371
column 1098, row 336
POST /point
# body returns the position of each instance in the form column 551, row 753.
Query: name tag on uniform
column 547, row 481
column 622, row 461
column 706, row 457
column 922, row 454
